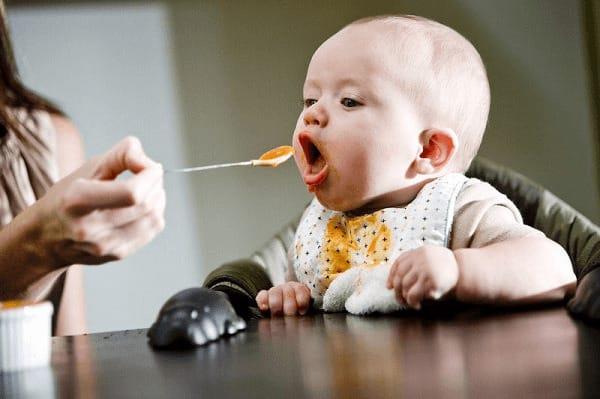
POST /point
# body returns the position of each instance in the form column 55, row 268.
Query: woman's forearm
column 516, row 271
column 22, row 258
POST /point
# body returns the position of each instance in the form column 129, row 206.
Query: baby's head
column 389, row 103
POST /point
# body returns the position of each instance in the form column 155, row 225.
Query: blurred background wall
column 216, row 81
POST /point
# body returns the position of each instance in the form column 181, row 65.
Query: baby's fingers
column 289, row 300
column 262, row 300
column 401, row 266
column 275, row 301
column 408, row 281
column 302, row 298
column 416, row 294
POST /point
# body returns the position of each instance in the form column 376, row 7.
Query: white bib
column 345, row 260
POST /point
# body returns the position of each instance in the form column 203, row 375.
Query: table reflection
column 344, row 355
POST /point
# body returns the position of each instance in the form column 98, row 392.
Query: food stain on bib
column 361, row 241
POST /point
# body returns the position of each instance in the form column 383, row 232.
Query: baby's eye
column 349, row 102
column 308, row 102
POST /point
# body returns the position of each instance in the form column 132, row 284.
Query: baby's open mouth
column 316, row 169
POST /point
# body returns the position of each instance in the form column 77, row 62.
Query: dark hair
column 13, row 93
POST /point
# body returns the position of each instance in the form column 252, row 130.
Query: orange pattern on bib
column 362, row 241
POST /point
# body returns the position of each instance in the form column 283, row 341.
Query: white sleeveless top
column 345, row 260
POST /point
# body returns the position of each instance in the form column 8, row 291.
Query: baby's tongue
column 317, row 165
column 316, row 172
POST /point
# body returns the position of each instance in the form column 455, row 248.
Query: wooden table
column 525, row 354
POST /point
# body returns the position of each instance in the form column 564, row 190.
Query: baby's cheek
column 385, row 175
column 358, row 171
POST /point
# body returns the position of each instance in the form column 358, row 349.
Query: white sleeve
column 484, row 216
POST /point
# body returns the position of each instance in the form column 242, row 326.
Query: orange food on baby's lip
column 277, row 152
column 17, row 303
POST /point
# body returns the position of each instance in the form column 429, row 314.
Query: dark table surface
column 524, row 354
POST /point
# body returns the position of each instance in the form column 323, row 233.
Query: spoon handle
column 200, row 168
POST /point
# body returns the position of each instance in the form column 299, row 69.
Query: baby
column 395, row 108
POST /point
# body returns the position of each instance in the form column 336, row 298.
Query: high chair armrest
column 241, row 280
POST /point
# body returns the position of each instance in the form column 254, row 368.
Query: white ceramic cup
column 25, row 335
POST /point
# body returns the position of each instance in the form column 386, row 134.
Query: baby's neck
column 395, row 199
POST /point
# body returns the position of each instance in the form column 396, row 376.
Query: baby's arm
column 494, row 258
column 501, row 260
column 523, row 270
column 528, row 269
column 289, row 299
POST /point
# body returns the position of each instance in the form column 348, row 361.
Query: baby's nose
column 316, row 115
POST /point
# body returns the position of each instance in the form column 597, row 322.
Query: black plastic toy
column 194, row 317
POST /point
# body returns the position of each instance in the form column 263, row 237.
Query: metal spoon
column 272, row 158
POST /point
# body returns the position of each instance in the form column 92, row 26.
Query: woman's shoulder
column 63, row 127
column 69, row 145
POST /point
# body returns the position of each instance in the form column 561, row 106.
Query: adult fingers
column 131, row 237
column 289, row 300
column 275, row 301
column 302, row 297
column 120, row 242
column 155, row 200
column 101, row 225
column 127, row 154
column 86, row 195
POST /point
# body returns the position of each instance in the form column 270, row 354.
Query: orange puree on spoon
column 275, row 157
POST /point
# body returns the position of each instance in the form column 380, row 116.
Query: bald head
column 440, row 71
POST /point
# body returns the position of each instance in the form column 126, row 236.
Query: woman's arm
column 88, row 217
column 70, row 153
column 24, row 271
column 22, row 264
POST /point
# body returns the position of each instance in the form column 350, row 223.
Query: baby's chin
column 336, row 202
column 354, row 202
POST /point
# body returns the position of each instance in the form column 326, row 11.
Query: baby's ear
column 438, row 147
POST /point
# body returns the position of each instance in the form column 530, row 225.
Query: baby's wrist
column 454, row 265
column 462, row 289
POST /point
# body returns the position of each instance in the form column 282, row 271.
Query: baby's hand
column 288, row 299
column 425, row 272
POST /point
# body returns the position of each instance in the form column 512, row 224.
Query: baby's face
column 358, row 134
